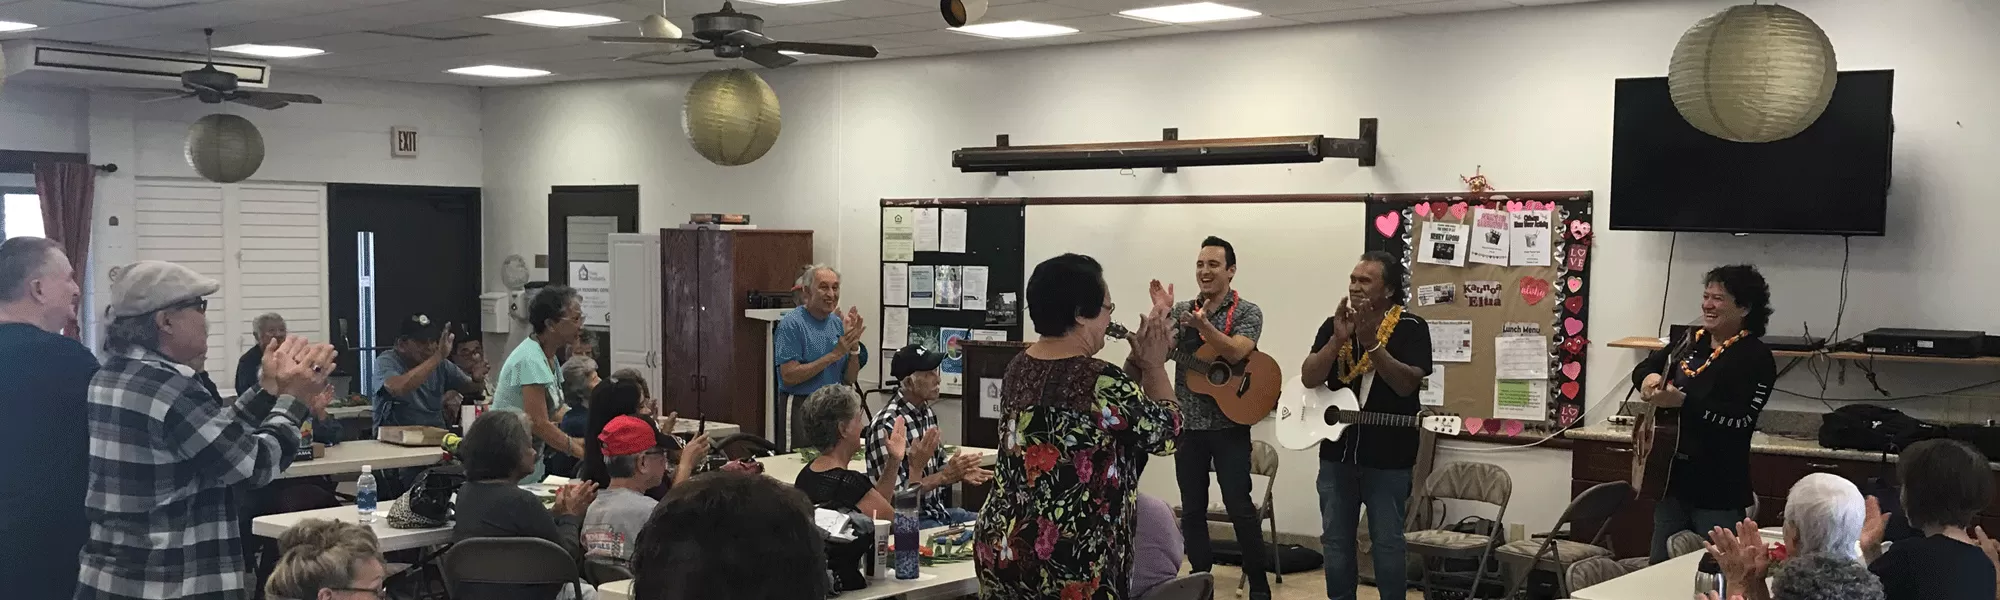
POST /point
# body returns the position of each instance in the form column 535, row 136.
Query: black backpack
column 1873, row 428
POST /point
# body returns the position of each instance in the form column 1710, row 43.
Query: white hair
column 805, row 281
column 266, row 319
column 1824, row 513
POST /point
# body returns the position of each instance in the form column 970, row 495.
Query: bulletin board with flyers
column 1503, row 281
column 951, row 272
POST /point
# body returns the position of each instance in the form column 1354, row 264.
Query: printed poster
column 1489, row 236
column 895, row 284
column 951, row 230
column 1477, row 293
column 989, row 335
column 921, row 287
column 1522, row 328
column 926, row 235
column 1526, row 400
column 949, row 288
column 926, row 336
column 1431, row 391
column 1437, row 293
column 953, row 369
column 989, row 397
column 974, row 284
column 1529, row 238
column 592, row 282
column 1443, row 244
column 1520, row 357
column 899, row 234
column 895, row 328
column 1451, row 341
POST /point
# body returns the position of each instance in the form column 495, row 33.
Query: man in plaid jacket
column 925, row 467
column 168, row 458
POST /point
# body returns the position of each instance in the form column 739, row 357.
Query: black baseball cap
column 912, row 359
column 420, row 327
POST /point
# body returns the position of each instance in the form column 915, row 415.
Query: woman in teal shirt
column 531, row 382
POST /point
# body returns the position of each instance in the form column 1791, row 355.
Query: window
column 22, row 215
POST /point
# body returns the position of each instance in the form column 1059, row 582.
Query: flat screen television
column 1831, row 179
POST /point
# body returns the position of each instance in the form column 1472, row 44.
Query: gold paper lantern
column 225, row 148
column 731, row 117
column 1753, row 73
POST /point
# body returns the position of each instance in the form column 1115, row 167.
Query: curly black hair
column 1744, row 283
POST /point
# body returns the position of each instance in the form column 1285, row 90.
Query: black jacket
column 1712, row 464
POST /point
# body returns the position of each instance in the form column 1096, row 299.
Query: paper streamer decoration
column 731, row 117
column 224, row 148
column 1752, row 73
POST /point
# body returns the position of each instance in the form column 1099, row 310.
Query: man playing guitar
column 1221, row 318
column 1384, row 353
column 1719, row 383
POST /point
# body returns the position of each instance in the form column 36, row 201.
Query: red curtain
column 67, row 190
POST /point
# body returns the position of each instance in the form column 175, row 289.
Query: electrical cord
column 1667, row 290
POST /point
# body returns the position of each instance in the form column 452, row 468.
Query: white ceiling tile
column 1352, row 14
column 880, row 43
column 1105, row 7
column 1154, row 31
column 1452, row 6
column 542, row 4
column 919, row 20
column 867, row 27
column 1073, row 39
column 936, row 37
column 791, row 15
column 868, row 9
column 1549, row 2
column 1241, row 24
column 1104, row 23
column 623, row 11
column 922, row 51
column 1292, row 7
column 51, row 13
column 357, row 41
column 812, row 32
column 1037, row 11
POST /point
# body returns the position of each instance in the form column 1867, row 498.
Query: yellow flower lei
column 1351, row 369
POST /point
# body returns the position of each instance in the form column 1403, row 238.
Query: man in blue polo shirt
column 813, row 349
column 411, row 380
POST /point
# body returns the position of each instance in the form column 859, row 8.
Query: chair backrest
column 1192, row 586
column 1476, row 481
column 507, row 567
column 1684, row 542
column 740, row 446
column 1592, row 571
column 599, row 570
column 1263, row 459
column 1595, row 506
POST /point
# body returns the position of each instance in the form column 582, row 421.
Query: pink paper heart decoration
column 1573, row 326
column 1492, row 426
column 1570, row 389
column 1572, row 369
column 1515, row 205
column 1533, row 290
column 1574, row 304
column 1387, row 223
column 1510, row 427
column 1533, row 205
column 1473, row 424
column 1458, row 210
column 1579, row 230
column 1575, row 285
column 1423, row 209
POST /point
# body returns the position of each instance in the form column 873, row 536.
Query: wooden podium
column 983, row 360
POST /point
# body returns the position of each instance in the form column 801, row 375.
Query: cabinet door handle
column 1621, row 450
column 1821, row 466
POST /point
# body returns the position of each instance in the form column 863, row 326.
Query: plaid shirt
column 167, row 460
column 1199, row 412
column 917, row 420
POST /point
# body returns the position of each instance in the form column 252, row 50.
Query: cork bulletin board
column 1515, row 299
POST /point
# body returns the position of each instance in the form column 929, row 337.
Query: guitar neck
column 1383, row 419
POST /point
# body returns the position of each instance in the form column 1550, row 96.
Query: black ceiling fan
column 215, row 86
column 729, row 34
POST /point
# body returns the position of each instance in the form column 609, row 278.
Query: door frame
column 621, row 201
column 342, row 299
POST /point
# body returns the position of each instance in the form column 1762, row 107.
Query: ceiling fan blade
column 279, row 96
column 768, row 57
column 260, row 102
column 179, row 96
column 640, row 39
column 855, row 51
column 747, row 39
column 645, row 55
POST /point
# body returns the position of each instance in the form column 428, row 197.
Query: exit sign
column 403, row 142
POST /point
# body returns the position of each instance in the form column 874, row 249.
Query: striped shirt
column 168, row 460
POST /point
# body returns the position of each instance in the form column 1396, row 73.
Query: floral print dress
column 1074, row 435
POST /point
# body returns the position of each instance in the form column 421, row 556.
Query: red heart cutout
column 1572, row 369
column 1574, row 304
column 1473, row 424
column 1570, row 389
column 1423, row 209
column 1458, row 210
column 1572, row 326
column 1511, row 427
column 1575, row 345
column 1533, row 290
column 1388, row 223
column 1492, row 426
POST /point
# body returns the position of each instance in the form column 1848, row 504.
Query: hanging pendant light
column 1752, row 73
column 224, row 148
column 731, row 117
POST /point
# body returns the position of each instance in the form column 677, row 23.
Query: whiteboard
column 1292, row 259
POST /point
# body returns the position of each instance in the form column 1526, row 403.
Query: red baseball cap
column 626, row 435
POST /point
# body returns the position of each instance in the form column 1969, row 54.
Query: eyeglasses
column 1111, row 307
column 199, row 305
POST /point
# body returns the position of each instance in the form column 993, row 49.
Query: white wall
column 43, row 119
column 1525, row 94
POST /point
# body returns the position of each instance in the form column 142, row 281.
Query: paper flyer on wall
column 1526, row 400
column 989, row 397
column 951, row 230
column 926, row 336
column 1529, row 238
column 1431, row 391
column 1443, row 244
column 921, row 288
column 592, row 282
column 899, row 234
column 895, row 284
column 949, row 288
column 1521, row 328
column 974, row 282
column 952, row 371
column 1451, row 340
column 1520, row 357
column 1489, row 236
column 927, row 229
column 1437, row 293
column 895, row 328
column 989, row 335
column 1482, row 293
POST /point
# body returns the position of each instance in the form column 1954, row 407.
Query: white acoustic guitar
column 1307, row 416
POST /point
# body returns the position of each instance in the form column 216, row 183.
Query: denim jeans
column 953, row 516
column 1229, row 451
column 1343, row 490
column 1672, row 515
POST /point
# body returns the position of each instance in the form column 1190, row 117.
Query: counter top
column 1759, row 442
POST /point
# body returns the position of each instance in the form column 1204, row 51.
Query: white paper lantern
column 225, row 148
column 1753, row 73
column 731, row 117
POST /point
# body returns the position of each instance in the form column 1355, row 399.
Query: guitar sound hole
column 1218, row 374
column 1333, row 415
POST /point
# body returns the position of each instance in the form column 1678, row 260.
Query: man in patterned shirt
column 169, row 459
column 917, row 371
column 1218, row 317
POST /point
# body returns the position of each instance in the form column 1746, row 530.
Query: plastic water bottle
column 364, row 494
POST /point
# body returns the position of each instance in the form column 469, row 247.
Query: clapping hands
column 1741, row 553
column 850, row 338
column 298, row 368
column 1156, row 328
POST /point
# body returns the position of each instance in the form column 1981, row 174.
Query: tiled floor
column 1308, row 585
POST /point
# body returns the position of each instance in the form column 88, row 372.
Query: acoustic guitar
column 1307, row 416
column 1246, row 390
column 1656, row 438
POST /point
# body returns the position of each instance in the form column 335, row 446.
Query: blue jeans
column 1673, row 515
column 1343, row 490
column 953, row 516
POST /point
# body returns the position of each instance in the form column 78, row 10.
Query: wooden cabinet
column 712, row 357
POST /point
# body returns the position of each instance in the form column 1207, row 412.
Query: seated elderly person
column 328, row 560
column 730, row 535
column 1945, row 485
column 1823, row 515
column 1819, row 576
column 579, row 379
column 635, row 459
column 831, row 422
column 497, row 452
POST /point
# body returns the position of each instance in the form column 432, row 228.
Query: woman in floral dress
column 1074, row 434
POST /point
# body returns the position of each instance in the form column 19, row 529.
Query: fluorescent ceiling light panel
column 271, row 51
column 498, row 71
column 787, row 2
column 1199, row 12
column 9, row 26
column 1014, row 30
column 554, row 18
column 791, row 53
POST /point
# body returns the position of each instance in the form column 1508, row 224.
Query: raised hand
column 927, row 446
column 1987, row 545
column 695, row 451
column 959, row 467
column 1874, row 527
column 1343, row 322
column 1742, row 554
column 318, row 403
column 296, row 367
column 1163, row 298
column 575, row 498
column 445, row 341
column 1151, row 343
column 667, row 423
column 898, row 444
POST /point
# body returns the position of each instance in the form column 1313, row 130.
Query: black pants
column 1229, row 451
column 788, row 425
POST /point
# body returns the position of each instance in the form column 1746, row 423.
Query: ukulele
column 1656, row 436
column 1246, row 390
column 1306, row 416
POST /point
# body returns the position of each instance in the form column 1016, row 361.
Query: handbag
column 428, row 503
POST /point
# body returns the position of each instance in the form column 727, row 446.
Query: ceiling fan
column 729, row 34
column 215, row 86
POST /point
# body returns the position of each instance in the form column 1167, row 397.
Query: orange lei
column 1693, row 373
column 1351, row 369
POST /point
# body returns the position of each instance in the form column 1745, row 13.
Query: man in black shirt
column 45, row 437
column 267, row 327
column 1372, row 345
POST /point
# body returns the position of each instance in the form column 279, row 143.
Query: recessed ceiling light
column 554, row 18
column 1199, row 12
column 271, row 51
column 9, row 26
column 1014, row 30
column 791, row 53
column 498, row 71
